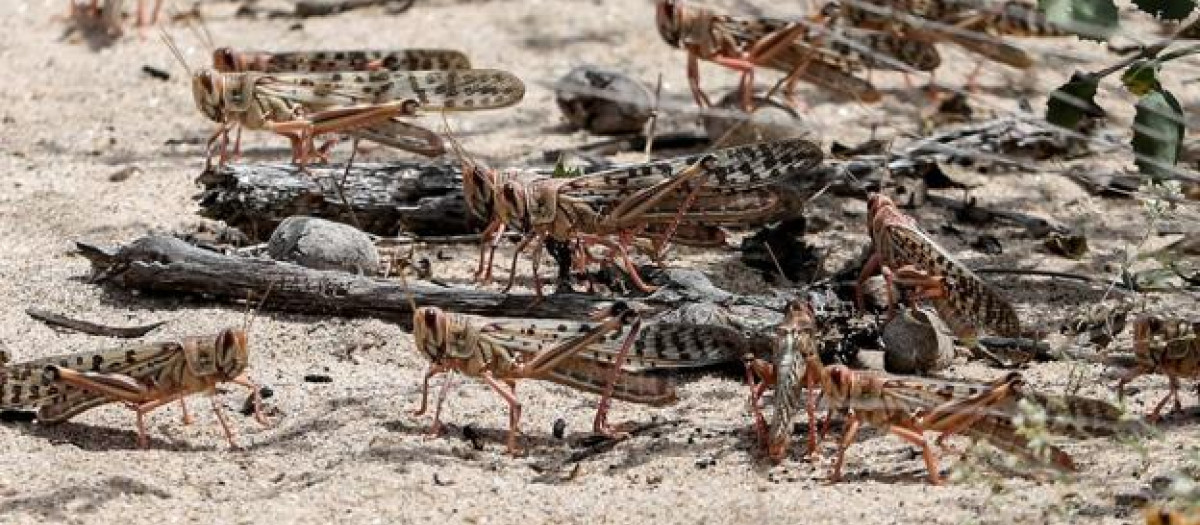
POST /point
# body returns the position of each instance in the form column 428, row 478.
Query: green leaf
column 1091, row 19
column 1167, row 9
column 562, row 171
column 1157, row 133
column 1141, row 77
column 1072, row 101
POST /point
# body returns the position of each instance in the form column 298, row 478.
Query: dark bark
column 422, row 198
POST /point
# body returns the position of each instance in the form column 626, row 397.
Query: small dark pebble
column 156, row 73
column 560, row 428
column 296, row 27
column 17, row 416
column 472, row 435
column 317, row 378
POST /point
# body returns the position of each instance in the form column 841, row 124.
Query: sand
column 350, row 450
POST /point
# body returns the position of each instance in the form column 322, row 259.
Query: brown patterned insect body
column 502, row 353
column 109, row 15
column 301, row 106
column 1165, row 346
column 900, row 246
column 607, row 210
column 685, row 200
column 144, row 378
column 745, row 43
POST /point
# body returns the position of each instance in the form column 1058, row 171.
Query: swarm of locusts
column 609, row 219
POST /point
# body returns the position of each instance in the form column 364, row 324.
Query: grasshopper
column 110, row 14
column 480, row 348
column 1166, row 346
column 907, row 407
column 899, row 244
column 392, row 132
column 969, row 25
column 301, row 106
column 745, row 43
column 689, row 197
column 794, row 364
column 143, row 378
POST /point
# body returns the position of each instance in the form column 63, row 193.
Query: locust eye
column 223, row 59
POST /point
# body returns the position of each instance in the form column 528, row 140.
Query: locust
column 142, row 377
column 745, row 43
column 580, row 355
column 370, row 104
column 685, row 199
column 908, row 407
column 1164, row 346
column 795, row 364
column 109, row 15
column 899, row 245
column 392, row 132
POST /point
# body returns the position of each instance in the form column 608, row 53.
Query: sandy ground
column 350, row 450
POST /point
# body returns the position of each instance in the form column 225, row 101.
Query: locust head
column 431, row 328
column 669, row 16
column 225, row 60
column 208, row 88
column 232, row 355
column 512, row 205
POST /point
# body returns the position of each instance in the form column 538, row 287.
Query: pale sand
column 349, row 451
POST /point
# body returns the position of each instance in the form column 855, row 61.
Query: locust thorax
column 430, row 332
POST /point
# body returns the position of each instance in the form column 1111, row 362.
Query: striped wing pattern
column 970, row 298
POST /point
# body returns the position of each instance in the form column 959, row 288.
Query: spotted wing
column 658, row 346
column 454, row 90
column 737, row 168
column 362, row 60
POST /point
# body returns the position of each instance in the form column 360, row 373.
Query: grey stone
column 323, row 245
column 916, row 342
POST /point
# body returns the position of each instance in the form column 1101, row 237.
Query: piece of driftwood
column 169, row 265
column 421, row 198
column 166, row 264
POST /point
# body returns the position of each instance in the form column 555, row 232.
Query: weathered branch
column 166, row 264
column 421, row 198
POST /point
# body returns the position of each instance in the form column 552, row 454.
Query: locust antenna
column 170, row 42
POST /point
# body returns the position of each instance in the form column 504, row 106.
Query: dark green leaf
column 1157, row 133
column 1092, row 19
column 1167, row 9
column 1072, row 101
column 562, row 171
column 1141, row 77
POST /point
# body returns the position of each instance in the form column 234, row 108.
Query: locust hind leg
column 853, row 424
column 514, row 409
column 221, row 418
column 913, row 436
column 600, row 424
